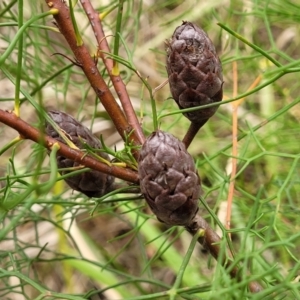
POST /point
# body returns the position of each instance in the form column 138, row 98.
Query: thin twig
column 84, row 59
column 191, row 133
column 29, row 132
column 211, row 242
column 117, row 81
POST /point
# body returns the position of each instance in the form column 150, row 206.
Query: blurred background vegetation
column 60, row 244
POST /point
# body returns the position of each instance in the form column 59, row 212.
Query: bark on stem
column 86, row 62
column 117, row 81
column 191, row 133
column 29, row 132
column 211, row 242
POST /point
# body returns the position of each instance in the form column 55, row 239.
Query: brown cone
column 168, row 178
column 91, row 183
column 194, row 70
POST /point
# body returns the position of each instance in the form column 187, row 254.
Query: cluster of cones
column 168, row 177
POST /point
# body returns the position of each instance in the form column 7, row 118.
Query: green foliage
column 56, row 244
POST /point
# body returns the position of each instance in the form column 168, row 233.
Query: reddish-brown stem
column 84, row 59
column 117, row 81
column 211, row 241
column 29, row 132
column 191, row 133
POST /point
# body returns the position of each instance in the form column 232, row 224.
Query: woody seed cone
column 91, row 183
column 194, row 70
column 168, row 179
